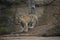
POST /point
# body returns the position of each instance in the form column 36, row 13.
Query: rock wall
column 48, row 18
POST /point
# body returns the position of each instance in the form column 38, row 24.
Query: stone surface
column 30, row 38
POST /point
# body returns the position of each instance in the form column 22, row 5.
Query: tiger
column 28, row 21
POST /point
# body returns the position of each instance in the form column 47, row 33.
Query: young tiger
column 28, row 21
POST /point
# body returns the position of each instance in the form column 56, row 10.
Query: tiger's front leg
column 26, row 27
